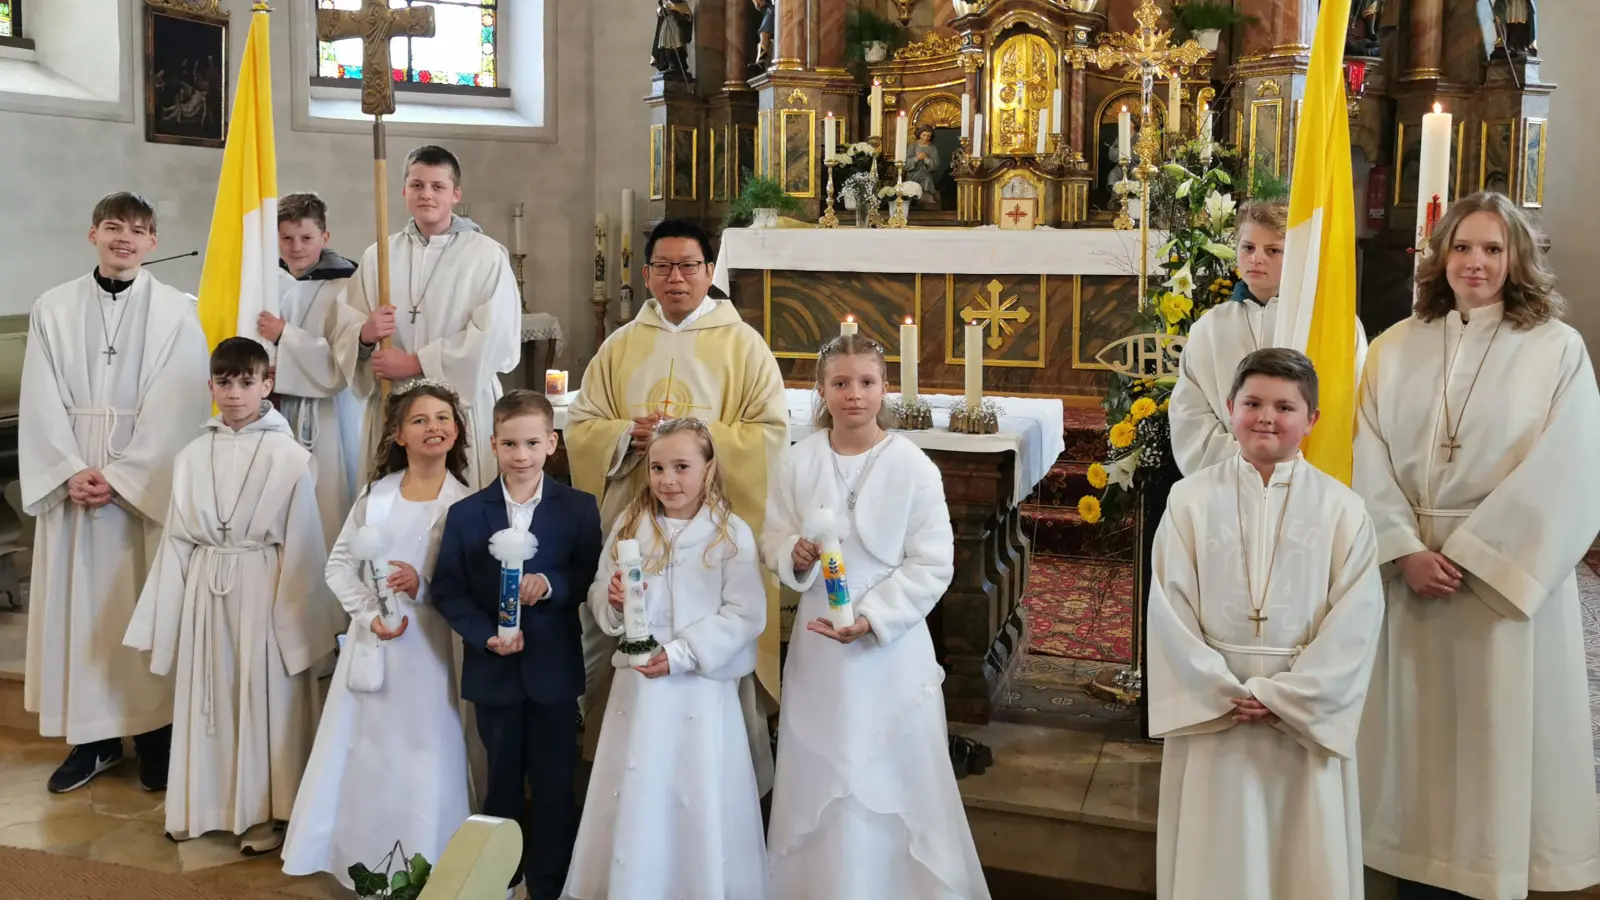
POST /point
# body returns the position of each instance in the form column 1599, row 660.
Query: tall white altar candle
column 877, row 108
column 1433, row 176
column 900, row 124
column 1205, row 138
column 830, row 136
column 1174, row 105
column 974, row 363
column 627, row 224
column 966, row 115
column 1124, row 134
column 977, row 136
column 848, row 326
column 1044, row 128
column 1055, row 112
column 908, row 360
column 516, row 228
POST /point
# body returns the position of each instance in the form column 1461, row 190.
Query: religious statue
column 1361, row 39
column 768, row 27
column 922, row 165
column 674, row 29
column 1518, row 17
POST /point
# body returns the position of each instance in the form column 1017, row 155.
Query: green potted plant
column 1206, row 19
column 406, row 883
column 868, row 37
column 760, row 203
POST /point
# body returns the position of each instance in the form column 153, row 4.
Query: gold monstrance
column 375, row 23
column 1147, row 54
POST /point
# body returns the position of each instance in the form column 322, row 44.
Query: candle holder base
column 911, row 415
column 982, row 417
column 1119, row 685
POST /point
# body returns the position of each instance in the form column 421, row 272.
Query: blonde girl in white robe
column 1475, row 452
column 865, row 804
column 391, row 764
column 673, row 809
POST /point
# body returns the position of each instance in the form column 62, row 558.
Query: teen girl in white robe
column 673, row 809
column 388, row 765
column 865, row 804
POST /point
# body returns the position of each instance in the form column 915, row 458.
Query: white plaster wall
column 58, row 167
column 1568, row 34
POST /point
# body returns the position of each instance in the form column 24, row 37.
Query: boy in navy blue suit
column 526, row 689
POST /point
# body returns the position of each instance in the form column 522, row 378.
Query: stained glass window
column 9, row 15
column 461, row 53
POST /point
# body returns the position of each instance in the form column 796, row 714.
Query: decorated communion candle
column 511, row 547
column 840, row 611
column 635, row 620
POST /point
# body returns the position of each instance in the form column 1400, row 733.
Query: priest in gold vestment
column 685, row 355
column 1475, row 454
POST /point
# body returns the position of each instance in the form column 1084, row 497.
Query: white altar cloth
column 1030, row 427
column 960, row 251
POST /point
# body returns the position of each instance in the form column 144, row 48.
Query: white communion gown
column 389, row 765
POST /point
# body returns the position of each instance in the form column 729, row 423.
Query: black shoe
column 83, row 764
column 155, row 750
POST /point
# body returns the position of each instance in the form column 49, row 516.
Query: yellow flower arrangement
column 1089, row 509
column 1166, row 403
column 1122, row 434
column 1174, row 307
column 1143, row 408
column 1097, row 477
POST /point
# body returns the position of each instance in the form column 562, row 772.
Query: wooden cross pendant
column 375, row 23
column 109, row 352
column 1258, row 617
column 414, row 314
column 1451, row 446
column 225, row 529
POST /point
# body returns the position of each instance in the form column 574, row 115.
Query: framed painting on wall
column 186, row 72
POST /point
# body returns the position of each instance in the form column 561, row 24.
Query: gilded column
column 736, row 35
column 830, row 35
column 1426, row 40
column 791, row 34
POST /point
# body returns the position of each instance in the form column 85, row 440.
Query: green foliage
column 1267, row 186
column 1202, row 15
column 862, row 27
column 404, row 884
column 760, row 192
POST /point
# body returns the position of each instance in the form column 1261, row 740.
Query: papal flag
column 1318, row 296
column 240, row 278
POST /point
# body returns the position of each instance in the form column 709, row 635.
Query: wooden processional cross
column 375, row 24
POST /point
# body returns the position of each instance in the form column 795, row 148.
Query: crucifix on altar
column 375, row 24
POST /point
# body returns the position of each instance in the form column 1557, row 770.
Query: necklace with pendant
column 872, row 457
column 1451, row 445
column 1258, row 614
column 415, row 298
column 216, row 501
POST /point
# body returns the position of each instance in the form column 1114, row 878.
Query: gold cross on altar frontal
column 374, row 23
column 999, row 314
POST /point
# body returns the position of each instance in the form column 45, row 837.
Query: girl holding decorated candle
column 674, row 806
column 390, row 758
column 864, row 773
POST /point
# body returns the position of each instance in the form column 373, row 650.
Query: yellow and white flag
column 240, row 277
column 1318, row 296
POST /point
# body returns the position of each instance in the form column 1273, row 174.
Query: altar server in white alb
column 865, row 804
column 1202, row 434
column 673, row 809
column 390, row 760
column 1475, row 452
column 1265, row 607
column 456, row 315
column 236, row 607
column 307, row 376
column 113, row 386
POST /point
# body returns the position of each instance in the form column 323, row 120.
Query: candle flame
column 877, row 81
column 849, row 318
column 1124, row 107
column 908, row 321
column 1437, row 109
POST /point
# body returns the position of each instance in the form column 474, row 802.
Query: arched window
column 461, row 57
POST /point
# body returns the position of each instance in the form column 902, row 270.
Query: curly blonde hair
column 849, row 345
column 390, row 457
column 1530, row 291
column 644, row 507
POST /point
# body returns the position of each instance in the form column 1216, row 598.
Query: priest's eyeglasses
column 687, row 269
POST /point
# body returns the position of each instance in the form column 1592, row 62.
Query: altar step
column 1050, row 514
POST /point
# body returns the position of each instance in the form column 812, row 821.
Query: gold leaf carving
column 1269, row 88
column 211, row 8
column 930, row 46
column 940, row 112
column 796, row 97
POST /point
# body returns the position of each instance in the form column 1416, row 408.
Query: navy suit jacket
column 466, row 591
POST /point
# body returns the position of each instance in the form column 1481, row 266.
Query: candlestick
column 1174, row 105
column 635, row 611
column 1055, row 111
column 830, row 135
column 830, row 219
column 977, row 137
column 900, row 125
column 516, row 228
column 1433, row 176
column 966, row 115
column 974, row 364
column 908, row 361
column 877, row 108
column 848, row 326
column 555, row 382
column 1044, row 128
column 1124, row 135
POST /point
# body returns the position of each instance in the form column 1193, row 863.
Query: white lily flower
column 1220, row 208
column 1182, row 281
column 1120, row 471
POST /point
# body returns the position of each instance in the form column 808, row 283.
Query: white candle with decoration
column 1124, row 135
column 966, row 115
column 848, row 326
column 901, row 123
column 877, row 108
column 625, row 263
column 908, row 360
column 1433, row 176
column 635, row 610
column 974, row 363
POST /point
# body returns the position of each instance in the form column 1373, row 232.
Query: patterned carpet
column 1080, row 610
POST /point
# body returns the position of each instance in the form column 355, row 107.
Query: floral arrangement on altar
column 1194, row 205
column 905, row 190
column 860, row 188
